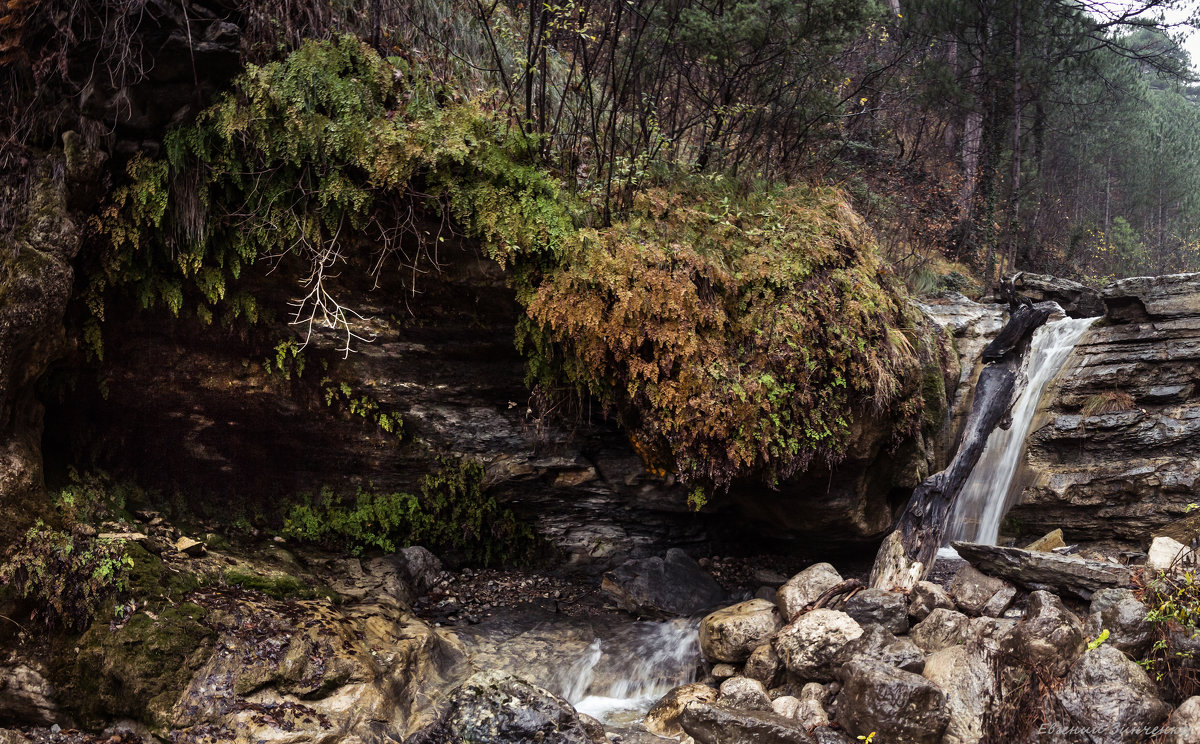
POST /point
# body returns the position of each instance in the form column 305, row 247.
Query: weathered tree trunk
column 907, row 554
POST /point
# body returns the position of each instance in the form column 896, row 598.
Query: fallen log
column 907, row 554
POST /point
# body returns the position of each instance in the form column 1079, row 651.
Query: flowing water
column 988, row 493
column 613, row 672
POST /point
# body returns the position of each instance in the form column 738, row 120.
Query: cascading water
column 987, row 495
column 643, row 662
column 613, row 671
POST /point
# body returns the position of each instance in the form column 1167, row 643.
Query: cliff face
column 35, row 284
column 1118, row 454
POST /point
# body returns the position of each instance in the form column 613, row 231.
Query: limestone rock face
column 35, row 284
column 1077, row 300
column 26, row 697
column 326, row 674
column 1118, row 453
column 731, row 634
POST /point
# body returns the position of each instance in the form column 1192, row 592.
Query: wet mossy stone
column 137, row 670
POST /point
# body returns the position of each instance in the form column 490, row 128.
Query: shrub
column 69, row 578
column 451, row 513
column 734, row 335
column 1173, row 597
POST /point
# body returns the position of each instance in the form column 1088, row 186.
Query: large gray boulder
column 1033, row 569
column 1106, row 692
column 927, row 597
column 672, row 586
column 805, row 587
column 878, row 644
column 964, row 676
column 941, row 628
column 732, row 633
column 1049, row 637
column 889, row 609
column 900, row 707
column 1125, row 621
column 810, row 645
column 763, row 665
column 1184, row 726
column 663, row 718
column 714, row 724
column 976, row 593
column 744, row 693
column 495, row 708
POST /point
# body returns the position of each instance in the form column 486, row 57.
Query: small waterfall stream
column 610, row 671
column 987, row 495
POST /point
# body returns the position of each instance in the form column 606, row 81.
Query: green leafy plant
column 452, row 512
column 1098, row 641
column 69, row 578
column 1173, row 599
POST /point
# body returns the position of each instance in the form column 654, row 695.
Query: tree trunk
column 908, row 553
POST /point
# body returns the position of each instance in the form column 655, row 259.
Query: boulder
column 988, row 633
column 889, row 609
column 732, row 633
column 941, row 628
column 495, row 708
column 900, row 707
column 805, row 587
column 878, row 644
column 1125, row 621
column 10, row 736
column 663, row 587
column 1052, row 572
column 1049, row 637
column 813, row 701
column 26, row 697
column 927, row 597
column 419, row 567
column 1048, row 542
column 763, row 665
column 964, row 676
column 714, row 724
column 1184, row 725
column 724, row 671
column 810, row 645
column 744, row 693
column 979, row 594
column 1107, row 692
column 663, row 718
column 1167, row 553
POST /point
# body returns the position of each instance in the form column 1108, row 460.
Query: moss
column 153, row 584
column 279, row 586
column 138, row 670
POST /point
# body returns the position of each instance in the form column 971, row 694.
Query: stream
column 610, row 669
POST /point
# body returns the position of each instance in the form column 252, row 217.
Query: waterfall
column 987, row 495
column 623, row 675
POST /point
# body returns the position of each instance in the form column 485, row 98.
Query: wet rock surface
column 732, row 634
column 1119, row 453
column 1063, row 574
column 713, row 724
column 898, row 706
column 663, row 587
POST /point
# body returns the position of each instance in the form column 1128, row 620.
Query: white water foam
column 987, row 495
